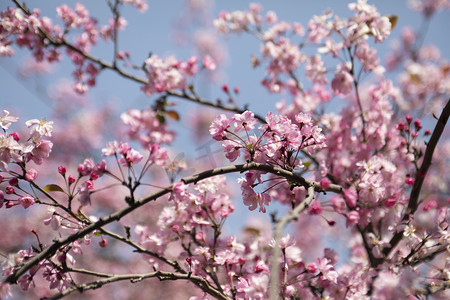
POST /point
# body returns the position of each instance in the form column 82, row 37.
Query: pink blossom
column 352, row 218
column 327, row 270
column 40, row 128
column 315, row 69
column 40, row 151
column 6, row 120
column 325, row 183
column 141, row 5
column 31, row 174
column 86, row 167
column 245, row 121
column 232, row 149
column 338, row 204
column 100, row 168
column 25, row 282
column 219, row 126
column 312, row 268
column 209, row 63
column 26, row 201
column 9, row 149
column 158, row 155
column 111, row 149
column 342, row 82
column 368, row 57
column 271, row 17
column 351, row 196
column 5, row 288
column 84, row 194
column 131, row 158
column 380, row 28
column 315, row 208
column 54, row 221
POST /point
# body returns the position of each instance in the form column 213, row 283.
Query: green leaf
column 53, row 188
column 307, row 164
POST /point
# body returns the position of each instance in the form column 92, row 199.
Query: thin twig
column 276, row 253
column 134, row 278
column 57, row 243
column 420, row 176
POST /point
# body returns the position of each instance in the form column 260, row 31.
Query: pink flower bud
column 400, row 126
column 351, row 196
column 62, row 170
column 200, row 236
column 120, row 55
column 390, row 202
column 225, row 88
column 62, row 258
column 241, row 261
column 325, row 183
column 431, row 204
column 409, row 180
column 427, row 132
column 71, row 179
column 418, row 124
column 14, row 181
column 15, row 136
column 408, row 119
column 89, row 184
column 312, row 268
column 9, row 190
column 103, row 243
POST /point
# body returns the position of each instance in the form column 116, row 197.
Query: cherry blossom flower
column 342, row 82
column 6, row 120
column 26, row 201
column 40, row 128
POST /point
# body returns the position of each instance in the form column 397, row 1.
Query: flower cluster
column 16, row 151
column 148, row 126
column 279, row 145
column 360, row 179
column 170, row 73
column 338, row 37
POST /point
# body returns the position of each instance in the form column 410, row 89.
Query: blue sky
column 152, row 32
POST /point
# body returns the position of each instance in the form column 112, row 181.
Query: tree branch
column 133, row 278
column 275, row 262
column 12, row 278
column 420, row 176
